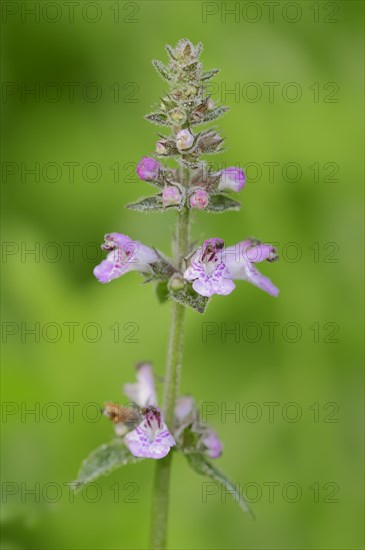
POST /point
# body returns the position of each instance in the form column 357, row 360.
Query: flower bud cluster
column 201, row 186
column 184, row 106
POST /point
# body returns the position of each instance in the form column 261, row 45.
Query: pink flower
column 148, row 168
column 151, row 439
column 199, row 199
column 213, row 267
column 171, row 195
column 125, row 255
column 232, row 179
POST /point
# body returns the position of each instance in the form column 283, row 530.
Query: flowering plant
column 189, row 280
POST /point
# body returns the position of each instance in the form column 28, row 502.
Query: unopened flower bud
column 148, row 168
column 232, row 179
column 190, row 90
column 176, row 282
column 160, row 148
column 212, row 443
column 184, row 140
column 210, row 104
column 185, row 406
column 199, row 199
column 177, row 116
column 184, row 49
column 171, row 195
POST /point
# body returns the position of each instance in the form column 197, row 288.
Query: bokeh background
column 313, row 373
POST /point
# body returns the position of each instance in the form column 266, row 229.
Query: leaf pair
column 103, row 460
column 218, row 203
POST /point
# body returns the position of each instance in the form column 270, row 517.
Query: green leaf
column 162, row 292
column 171, row 52
column 199, row 463
column 150, row 204
column 189, row 440
column 209, row 74
column 104, row 460
column 199, row 48
column 157, row 118
column 220, row 203
column 188, row 297
column 209, row 142
column 204, row 116
column 192, row 70
column 168, row 103
column 215, row 113
column 161, row 69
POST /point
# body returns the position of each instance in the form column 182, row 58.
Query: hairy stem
column 174, row 358
column 160, row 503
column 160, row 499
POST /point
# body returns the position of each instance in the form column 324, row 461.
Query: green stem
column 160, row 500
column 174, row 358
column 160, row 503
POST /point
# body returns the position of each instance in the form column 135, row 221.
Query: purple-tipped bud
column 232, row 179
column 199, row 199
column 212, row 443
column 185, row 407
column 171, row 195
column 176, row 282
column 184, row 140
column 147, row 168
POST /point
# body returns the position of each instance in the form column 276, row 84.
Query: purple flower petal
column 213, row 268
column 115, row 240
column 125, row 255
column 253, row 276
column 207, row 272
column 239, row 261
column 252, row 251
column 185, row 406
column 212, row 443
column 142, row 392
column 151, row 439
column 110, row 269
column 232, row 179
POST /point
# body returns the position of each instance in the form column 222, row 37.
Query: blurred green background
column 316, row 375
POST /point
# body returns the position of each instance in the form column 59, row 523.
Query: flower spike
column 190, row 279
